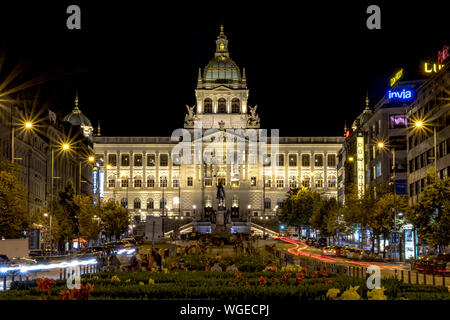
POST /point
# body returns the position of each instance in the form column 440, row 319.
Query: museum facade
column 147, row 177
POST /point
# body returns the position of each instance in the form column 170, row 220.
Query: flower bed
column 283, row 284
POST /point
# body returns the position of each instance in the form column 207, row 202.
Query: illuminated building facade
column 140, row 172
column 432, row 108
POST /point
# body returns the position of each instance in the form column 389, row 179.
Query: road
column 388, row 270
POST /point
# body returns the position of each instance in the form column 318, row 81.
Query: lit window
column 331, row 160
column 175, row 183
column 280, row 160
column 163, row 182
column 150, row 204
column 190, row 181
column 253, row 181
column 111, row 182
column 125, row 160
column 268, row 181
column 318, row 181
column 124, row 182
column 292, row 160
column 137, row 203
column 138, row 160
column 397, row 121
column 235, row 106
column 306, row 160
column 124, row 203
column 222, row 106
column 207, row 106
column 267, row 203
column 151, row 160
column 150, row 182
column 137, row 182
column 318, row 160
column 306, row 181
column 280, row 182
column 332, row 181
column 112, row 160
column 293, row 182
column 163, row 160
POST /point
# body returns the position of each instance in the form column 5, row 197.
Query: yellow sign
column 432, row 67
column 360, row 165
column 397, row 77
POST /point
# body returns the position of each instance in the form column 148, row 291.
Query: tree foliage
column 13, row 213
column 114, row 218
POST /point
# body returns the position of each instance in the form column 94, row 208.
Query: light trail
column 299, row 251
column 38, row 267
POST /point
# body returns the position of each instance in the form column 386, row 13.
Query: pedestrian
column 232, row 267
column 216, row 267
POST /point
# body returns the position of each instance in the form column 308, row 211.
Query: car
column 331, row 251
column 92, row 250
column 434, row 264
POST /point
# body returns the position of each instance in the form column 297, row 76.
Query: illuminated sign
column 95, row 180
column 432, row 67
column 360, row 165
column 102, row 184
column 443, row 55
column 397, row 77
column 405, row 94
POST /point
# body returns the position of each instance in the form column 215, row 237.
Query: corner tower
column 222, row 93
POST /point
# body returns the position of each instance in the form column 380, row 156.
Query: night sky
column 308, row 67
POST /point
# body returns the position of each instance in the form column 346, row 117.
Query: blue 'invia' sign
column 405, row 94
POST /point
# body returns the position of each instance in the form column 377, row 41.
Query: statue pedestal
column 220, row 218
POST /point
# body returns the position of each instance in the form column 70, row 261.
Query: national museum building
column 141, row 174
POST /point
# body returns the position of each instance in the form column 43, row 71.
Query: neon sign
column 443, row 55
column 405, row 94
column 397, row 77
column 432, row 67
column 102, row 184
column 360, row 164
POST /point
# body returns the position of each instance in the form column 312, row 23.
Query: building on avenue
column 141, row 174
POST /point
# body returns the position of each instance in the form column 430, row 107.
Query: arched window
column 293, row 182
column 222, row 106
column 331, row 181
column 111, row 181
column 207, row 107
column 235, row 105
column 280, row 182
column 306, row 181
column 137, row 182
column 150, row 182
column 137, row 203
column 267, row 203
column 280, row 203
column 318, row 181
column 150, row 204
column 124, row 181
column 162, row 203
column 124, row 203
column 163, row 182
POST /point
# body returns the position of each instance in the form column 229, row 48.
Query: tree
column 299, row 206
column 430, row 215
column 114, row 219
column 13, row 214
column 325, row 217
column 88, row 217
column 65, row 211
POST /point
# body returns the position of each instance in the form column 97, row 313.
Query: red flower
column 247, row 284
column 330, row 281
column 275, row 280
column 299, row 277
column 262, row 281
column 237, row 275
column 314, row 274
column 285, row 277
column 324, row 273
column 230, row 284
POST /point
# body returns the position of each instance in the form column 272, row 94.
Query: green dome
column 222, row 68
column 77, row 118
